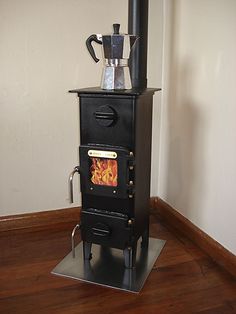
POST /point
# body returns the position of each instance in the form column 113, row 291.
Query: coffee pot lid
column 116, row 29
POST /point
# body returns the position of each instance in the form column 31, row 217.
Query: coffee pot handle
column 90, row 47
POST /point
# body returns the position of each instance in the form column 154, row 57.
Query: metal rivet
column 129, row 222
column 131, row 167
column 131, row 182
column 114, row 191
column 130, row 196
column 131, row 154
column 91, row 188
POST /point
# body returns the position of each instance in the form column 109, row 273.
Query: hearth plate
column 106, row 268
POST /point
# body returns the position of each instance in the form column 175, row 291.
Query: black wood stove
column 115, row 161
column 115, row 164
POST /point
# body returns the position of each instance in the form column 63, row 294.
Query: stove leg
column 87, row 246
column 130, row 256
column 129, row 278
column 145, row 238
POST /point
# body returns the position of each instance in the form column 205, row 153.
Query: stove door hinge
column 130, row 226
column 131, row 223
column 131, row 189
column 131, row 161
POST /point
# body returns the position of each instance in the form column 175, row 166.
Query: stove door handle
column 71, row 196
column 77, row 227
column 100, row 232
column 105, row 115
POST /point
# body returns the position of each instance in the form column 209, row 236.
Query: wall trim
column 39, row 219
column 176, row 221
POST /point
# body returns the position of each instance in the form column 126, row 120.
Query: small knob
column 116, row 28
column 105, row 115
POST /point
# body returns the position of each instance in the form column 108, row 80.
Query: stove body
column 115, row 154
column 115, row 162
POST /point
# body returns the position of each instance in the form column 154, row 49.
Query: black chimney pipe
column 138, row 25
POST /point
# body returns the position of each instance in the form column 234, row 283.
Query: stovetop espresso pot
column 116, row 51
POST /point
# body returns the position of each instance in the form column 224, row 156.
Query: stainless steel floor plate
column 106, row 268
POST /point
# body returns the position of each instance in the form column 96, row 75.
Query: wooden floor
column 183, row 280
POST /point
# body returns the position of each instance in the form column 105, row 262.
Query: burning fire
column 104, row 171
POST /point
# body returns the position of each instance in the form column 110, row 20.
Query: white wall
column 198, row 130
column 154, row 74
column 42, row 56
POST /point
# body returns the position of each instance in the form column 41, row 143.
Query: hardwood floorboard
column 183, row 279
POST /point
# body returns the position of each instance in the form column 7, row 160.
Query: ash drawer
column 105, row 228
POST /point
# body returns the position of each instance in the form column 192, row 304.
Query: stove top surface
column 130, row 92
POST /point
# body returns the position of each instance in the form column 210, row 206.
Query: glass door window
column 103, row 171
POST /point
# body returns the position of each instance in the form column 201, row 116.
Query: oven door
column 106, row 171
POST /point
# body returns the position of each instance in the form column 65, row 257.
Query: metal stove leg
column 129, row 278
column 145, row 238
column 130, row 256
column 87, row 246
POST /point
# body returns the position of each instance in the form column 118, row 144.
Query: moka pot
column 116, row 51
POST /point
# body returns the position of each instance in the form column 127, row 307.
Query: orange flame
column 104, row 171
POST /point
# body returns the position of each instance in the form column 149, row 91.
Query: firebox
column 115, row 159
